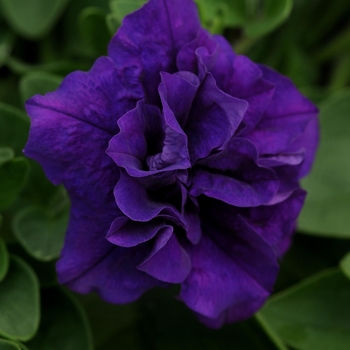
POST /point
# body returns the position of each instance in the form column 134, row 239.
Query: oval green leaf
column 19, row 302
column 13, row 176
column 6, row 154
column 38, row 83
column 314, row 314
column 94, row 30
column 326, row 210
column 4, row 259
column 64, row 325
column 8, row 345
column 40, row 232
column 34, row 18
column 345, row 265
column 274, row 13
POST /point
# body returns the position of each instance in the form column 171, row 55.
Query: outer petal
column 247, row 82
column 285, row 119
column 116, row 278
column 230, row 267
column 153, row 48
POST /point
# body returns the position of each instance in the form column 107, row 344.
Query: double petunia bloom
column 181, row 160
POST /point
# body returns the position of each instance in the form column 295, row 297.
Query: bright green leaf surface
column 38, row 83
column 63, row 326
column 33, row 18
column 12, row 178
column 345, row 265
column 94, row 30
column 315, row 314
column 4, row 259
column 40, row 232
column 8, row 345
column 326, row 210
column 14, row 127
column 19, row 302
column 6, row 154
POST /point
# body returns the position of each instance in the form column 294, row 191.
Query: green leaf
column 4, row 259
column 166, row 323
column 94, row 30
column 6, row 154
column 38, row 83
column 63, row 325
column 273, row 14
column 9, row 345
column 314, row 314
column 41, row 231
column 14, row 127
column 32, row 19
column 19, row 302
column 121, row 8
column 326, row 210
column 345, row 265
column 6, row 43
column 13, row 176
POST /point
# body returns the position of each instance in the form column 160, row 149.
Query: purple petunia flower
column 181, row 160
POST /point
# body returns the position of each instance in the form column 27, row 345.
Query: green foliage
column 327, row 205
column 13, row 175
column 63, row 323
column 41, row 230
column 19, row 302
column 35, row 18
column 4, row 259
column 314, row 314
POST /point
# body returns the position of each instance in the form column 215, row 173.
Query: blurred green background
column 43, row 40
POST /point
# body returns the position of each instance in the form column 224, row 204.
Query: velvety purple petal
column 219, row 62
column 57, row 140
column 178, row 91
column 151, row 37
column 239, row 181
column 174, row 153
column 187, row 58
column 168, row 261
column 285, row 119
column 115, row 277
column 247, row 83
column 307, row 142
column 214, row 119
column 136, row 203
column 282, row 159
column 98, row 97
column 276, row 223
column 127, row 233
column 230, row 267
column 87, row 227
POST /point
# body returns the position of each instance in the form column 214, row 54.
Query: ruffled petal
column 286, row 118
column 231, row 266
column 127, row 233
column 136, row 203
column 168, row 261
column 153, row 48
column 214, row 119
